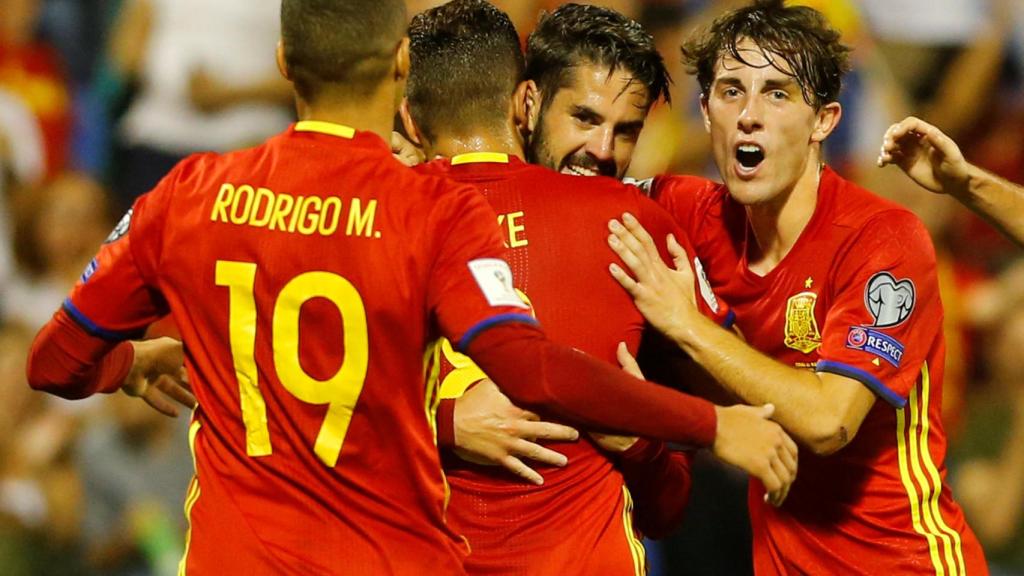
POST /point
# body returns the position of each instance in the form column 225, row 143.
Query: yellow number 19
column 340, row 392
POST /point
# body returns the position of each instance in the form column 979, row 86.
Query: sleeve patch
column 889, row 301
column 705, row 287
column 494, row 277
column 122, row 227
column 94, row 265
column 646, row 185
column 874, row 342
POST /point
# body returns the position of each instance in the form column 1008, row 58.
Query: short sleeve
column 886, row 313
column 116, row 297
column 470, row 287
column 659, row 224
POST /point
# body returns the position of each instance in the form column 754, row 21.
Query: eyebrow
column 729, row 81
column 776, row 84
column 770, row 84
column 633, row 125
column 586, row 112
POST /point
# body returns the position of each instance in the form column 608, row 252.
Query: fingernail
column 613, row 240
column 628, row 218
column 614, row 225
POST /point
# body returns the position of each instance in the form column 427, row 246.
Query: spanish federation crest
column 889, row 301
column 801, row 328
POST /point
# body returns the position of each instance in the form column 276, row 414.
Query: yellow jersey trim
column 339, row 130
column 636, row 547
column 918, row 469
column 191, row 495
column 478, row 157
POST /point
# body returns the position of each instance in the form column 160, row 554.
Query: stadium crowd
column 99, row 99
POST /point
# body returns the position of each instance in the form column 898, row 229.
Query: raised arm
column 935, row 162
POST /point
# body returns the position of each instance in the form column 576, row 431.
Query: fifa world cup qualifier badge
column 890, row 302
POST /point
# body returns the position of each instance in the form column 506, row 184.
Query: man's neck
column 777, row 225
column 503, row 141
column 374, row 113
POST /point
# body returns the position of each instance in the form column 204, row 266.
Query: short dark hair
column 578, row 34
column 466, row 62
column 799, row 35
column 347, row 44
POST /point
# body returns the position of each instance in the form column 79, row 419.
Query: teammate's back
column 311, row 234
column 580, row 519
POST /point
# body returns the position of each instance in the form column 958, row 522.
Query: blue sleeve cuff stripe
column 730, row 319
column 95, row 330
column 863, row 377
column 475, row 331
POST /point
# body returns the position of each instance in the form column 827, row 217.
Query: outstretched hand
column 665, row 296
column 928, row 156
column 158, row 376
column 490, row 430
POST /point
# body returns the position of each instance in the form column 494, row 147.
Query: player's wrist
column 967, row 188
column 685, row 330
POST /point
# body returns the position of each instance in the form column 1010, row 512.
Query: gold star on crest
column 809, row 282
column 876, row 362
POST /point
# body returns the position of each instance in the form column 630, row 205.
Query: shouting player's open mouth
column 749, row 157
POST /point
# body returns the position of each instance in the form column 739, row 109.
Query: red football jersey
column 579, row 521
column 857, row 295
column 308, row 277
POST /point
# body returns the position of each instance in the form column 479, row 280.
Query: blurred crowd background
column 99, row 98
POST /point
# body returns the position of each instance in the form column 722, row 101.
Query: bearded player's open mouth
column 584, row 164
column 579, row 171
column 749, row 157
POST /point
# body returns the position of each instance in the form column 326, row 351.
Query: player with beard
column 593, row 75
column 835, row 290
column 580, row 520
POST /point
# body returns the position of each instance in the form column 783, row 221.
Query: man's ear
column 411, row 129
column 528, row 100
column 826, row 120
column 402, row 60
column 704, row 112
column 520, row 110
column 282, row 65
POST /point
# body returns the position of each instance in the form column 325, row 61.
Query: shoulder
column 678, row 186
column 875, row 220
column 585, row 192
column 689, row 199
column 436, row 167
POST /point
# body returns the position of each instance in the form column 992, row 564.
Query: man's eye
column 631, row 134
